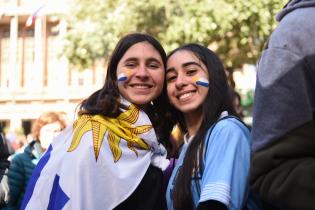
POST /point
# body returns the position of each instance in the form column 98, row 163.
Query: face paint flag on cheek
column 123, row 76
column 201, row 81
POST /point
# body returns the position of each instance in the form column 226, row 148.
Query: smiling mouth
column 141, row 86
column 184, row 96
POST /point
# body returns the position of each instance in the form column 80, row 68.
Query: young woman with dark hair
column 106, row 100
column 112, row 157
column 213, row 167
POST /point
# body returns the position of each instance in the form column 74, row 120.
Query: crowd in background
column 18, row 160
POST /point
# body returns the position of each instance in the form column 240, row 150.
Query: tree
column 236, row 30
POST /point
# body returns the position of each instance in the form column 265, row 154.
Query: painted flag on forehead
column 96, row 163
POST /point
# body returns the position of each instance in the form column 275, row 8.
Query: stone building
column 34, row 76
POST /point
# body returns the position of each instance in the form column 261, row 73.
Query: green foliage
column 248, row 99
column 236, row 30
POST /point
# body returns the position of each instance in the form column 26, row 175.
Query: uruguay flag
column 97, row 172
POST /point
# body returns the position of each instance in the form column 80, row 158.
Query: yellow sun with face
column 117, row 128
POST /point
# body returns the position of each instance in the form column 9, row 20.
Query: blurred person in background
column 45, row 128
column 283, row 131
column 236, row 99
column 15, row 141
column 4, row 165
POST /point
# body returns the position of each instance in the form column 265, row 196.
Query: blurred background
column 53, row 53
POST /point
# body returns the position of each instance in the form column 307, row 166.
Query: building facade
column 34, row 76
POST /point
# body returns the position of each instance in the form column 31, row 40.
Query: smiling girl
column 213, row 166
column 112, row 156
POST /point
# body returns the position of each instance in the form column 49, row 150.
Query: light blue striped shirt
column 226, row 166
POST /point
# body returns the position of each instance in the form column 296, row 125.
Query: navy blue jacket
column 20, row 171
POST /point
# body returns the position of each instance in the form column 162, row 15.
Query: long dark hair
column 217, row 100
column 106, row 100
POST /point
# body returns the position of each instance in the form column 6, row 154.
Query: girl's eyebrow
column 191, row 63
column 185, row 65
column 169, row 70
column 153, row 59
column 130, row 59
column 194, row 63
column 150, row 59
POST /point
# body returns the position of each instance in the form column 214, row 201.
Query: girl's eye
column 130, row 65
column 191, row 72
column 171, row 78
column 153, row 65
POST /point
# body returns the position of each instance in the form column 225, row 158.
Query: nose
column 142, row 72
column 181, row 81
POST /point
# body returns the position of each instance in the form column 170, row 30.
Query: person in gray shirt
column 283, row 131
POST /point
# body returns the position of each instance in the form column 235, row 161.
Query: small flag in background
column 31, row 19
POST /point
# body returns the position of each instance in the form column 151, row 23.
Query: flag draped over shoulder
column 96, row 163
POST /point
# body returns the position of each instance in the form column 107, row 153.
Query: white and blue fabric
column 76, row 180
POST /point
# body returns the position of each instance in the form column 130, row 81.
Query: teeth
column 141, row 86
column 186, row 95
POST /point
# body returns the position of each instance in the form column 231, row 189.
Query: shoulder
column 16, row 158
column 298, row 16
column 230, row 124
column 301, row 18
column 295, row 32
column 229, row 130
column 21, row 158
